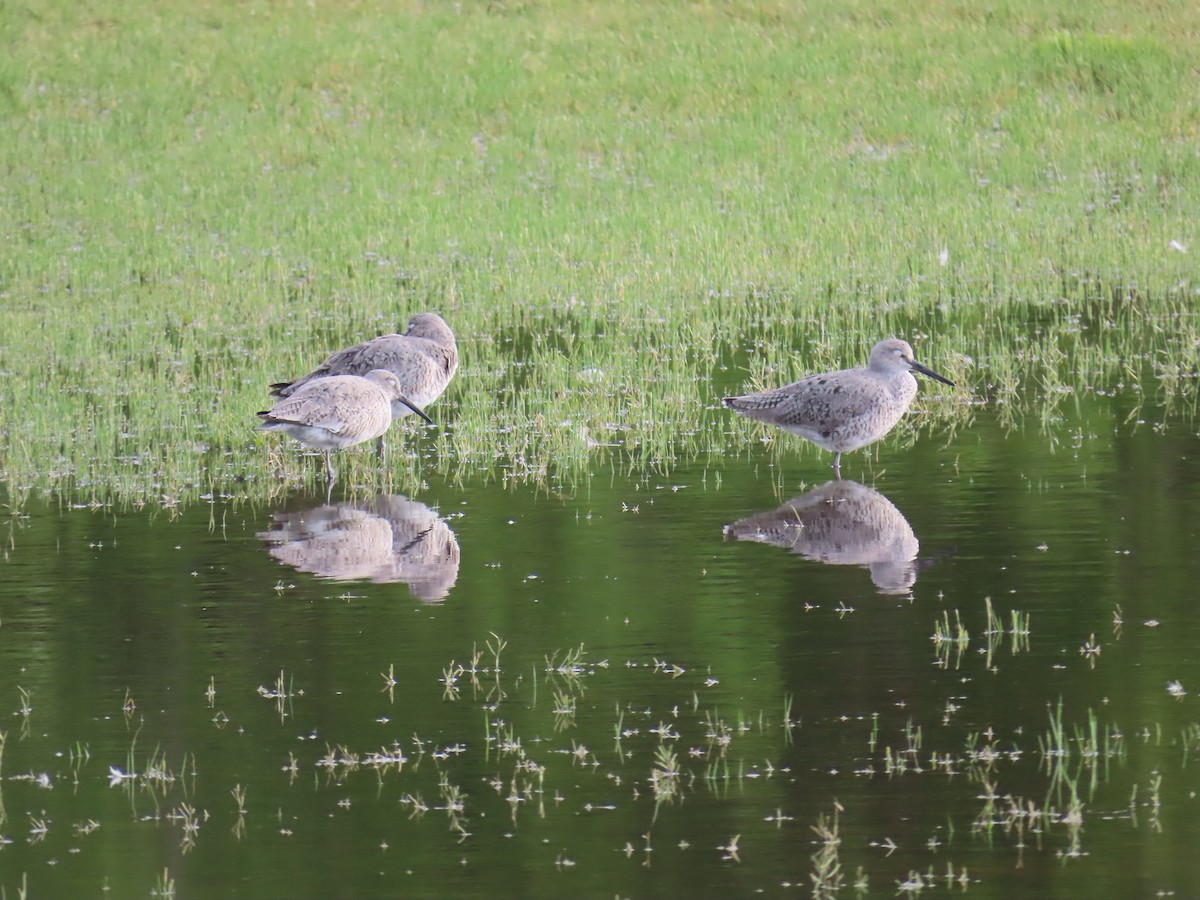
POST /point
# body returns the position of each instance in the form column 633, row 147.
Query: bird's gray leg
column 330, row 474
column 380, row 447
column 837, row 464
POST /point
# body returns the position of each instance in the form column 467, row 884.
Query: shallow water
column 674, row 710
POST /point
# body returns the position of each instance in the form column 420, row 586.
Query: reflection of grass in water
column 947, row 639
column 954, row 640
column 670, row 759
column 827, row 876
column 176, row 243
column 164, row 887
column 665, row 776
column 3, row 812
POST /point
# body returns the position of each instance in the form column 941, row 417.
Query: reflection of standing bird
column 424, row 358
column 841, row 523
column 388, row 539
column 338, row 412
column 843, row 410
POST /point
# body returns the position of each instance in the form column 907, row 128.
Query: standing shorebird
column 424, row 358
column 843, row 410
column 339, row 411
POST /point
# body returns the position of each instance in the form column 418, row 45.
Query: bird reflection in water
column 842, row 523
column 387, row 539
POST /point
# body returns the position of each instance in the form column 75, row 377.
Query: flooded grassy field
column 514, row 692
column 591, row 634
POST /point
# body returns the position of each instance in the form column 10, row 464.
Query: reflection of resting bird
column 338, row 542
column 338, row 412
column 388, row 539
column 844, row 410
column 842, row 523
column 425, row 549
column 424, row 359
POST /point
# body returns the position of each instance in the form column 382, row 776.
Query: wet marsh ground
column 526, row 654
column 613, row 697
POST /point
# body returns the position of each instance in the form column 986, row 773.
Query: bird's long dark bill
column 917, row 367
column 420, row 412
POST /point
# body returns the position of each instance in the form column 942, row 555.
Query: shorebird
column 339, row 411
column 424, row 358
column 844, row 410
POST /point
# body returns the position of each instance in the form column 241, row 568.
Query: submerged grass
column 623, row 212
column 678, row 777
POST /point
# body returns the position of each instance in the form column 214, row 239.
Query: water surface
column 722, row 682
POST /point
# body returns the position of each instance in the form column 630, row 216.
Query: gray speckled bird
column 424, row 358
column 843, row 410
column 338, row 412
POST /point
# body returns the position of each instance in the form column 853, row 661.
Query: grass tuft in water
column 827, row 877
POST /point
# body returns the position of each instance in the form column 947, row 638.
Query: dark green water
column 540, row 779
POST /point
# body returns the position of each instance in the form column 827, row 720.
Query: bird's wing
column 359, row 359
column 817, row 397
column 323, row 405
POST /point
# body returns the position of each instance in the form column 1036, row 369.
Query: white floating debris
column 116, row 776
column 1175, row 689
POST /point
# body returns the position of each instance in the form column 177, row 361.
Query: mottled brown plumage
column 338, row 412
column 844, row 410
column 424, row 359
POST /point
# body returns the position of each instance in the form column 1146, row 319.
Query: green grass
column 673, row 199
